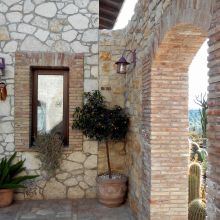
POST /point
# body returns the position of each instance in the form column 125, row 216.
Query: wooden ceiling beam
column 108, row 12
column 104, row 10
column 106, row 21
column 114, row 4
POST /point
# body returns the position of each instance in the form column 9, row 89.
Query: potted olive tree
column 11, row 178
column 104, row 124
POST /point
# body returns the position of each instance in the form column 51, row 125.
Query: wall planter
column 104, row 124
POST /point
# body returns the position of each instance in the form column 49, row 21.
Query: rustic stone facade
column 112, row 86
column 50, row 34
column 166, row 35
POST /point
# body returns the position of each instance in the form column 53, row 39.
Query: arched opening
column 169, row 121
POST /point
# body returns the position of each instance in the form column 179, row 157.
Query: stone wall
column 112, row 86
column 68, row 27
column 156, row 99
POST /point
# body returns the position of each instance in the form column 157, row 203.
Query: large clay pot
column 112, row 192
column 6, row 196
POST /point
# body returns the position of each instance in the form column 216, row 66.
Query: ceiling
column 108, row 13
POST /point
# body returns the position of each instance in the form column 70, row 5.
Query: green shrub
column 99, row 122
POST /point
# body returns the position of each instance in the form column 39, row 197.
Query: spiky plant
column 194, row 187
column 195, row 169
column 195, row 173
column 197, row 210
column 9, row 172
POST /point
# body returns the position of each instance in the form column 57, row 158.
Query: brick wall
column 213, row 201
column 169, row 122
column 25, row 61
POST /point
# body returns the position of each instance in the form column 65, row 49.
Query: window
column 50, row 103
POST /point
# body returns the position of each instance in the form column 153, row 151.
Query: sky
column 125, row 14
column 198, row 77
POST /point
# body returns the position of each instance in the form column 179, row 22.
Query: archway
column 169, row 121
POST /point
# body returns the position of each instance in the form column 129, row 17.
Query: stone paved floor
column 88, row 209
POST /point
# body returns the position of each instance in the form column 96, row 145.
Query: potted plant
column 103, row 124
column 10, row 179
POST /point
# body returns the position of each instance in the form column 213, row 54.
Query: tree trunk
column 108, row 159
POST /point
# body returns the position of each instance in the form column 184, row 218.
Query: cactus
column 197, row 210
column 194, row 181
column 194, row 146
column 195, row 169
column 194, row 187
column 196, row 150
column 201, row 154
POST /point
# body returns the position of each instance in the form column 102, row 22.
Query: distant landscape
column 194, row 120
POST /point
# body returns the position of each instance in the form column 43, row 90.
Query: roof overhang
column 108, row 13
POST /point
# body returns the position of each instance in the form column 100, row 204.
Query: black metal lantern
column 122, row 65
column 122, row 62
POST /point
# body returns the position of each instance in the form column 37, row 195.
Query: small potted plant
column 10, row 179
column 103, row 124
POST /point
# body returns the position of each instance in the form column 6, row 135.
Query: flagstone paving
column 88, row 209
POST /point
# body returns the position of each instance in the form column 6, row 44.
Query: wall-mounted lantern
column 122, row 62
column 2, row 66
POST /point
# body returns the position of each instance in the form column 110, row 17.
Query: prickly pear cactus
column 197, row 210
column 194, row 187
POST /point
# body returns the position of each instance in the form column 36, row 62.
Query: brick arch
column 160, row 20
column 169, row 120
column 192, row 12
column 181, row 31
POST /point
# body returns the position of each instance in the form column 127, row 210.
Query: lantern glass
column 121, row 68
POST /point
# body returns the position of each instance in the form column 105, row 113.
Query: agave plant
column 9, row 171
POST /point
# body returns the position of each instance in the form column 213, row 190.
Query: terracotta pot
column 6, row 196
column 111, row 192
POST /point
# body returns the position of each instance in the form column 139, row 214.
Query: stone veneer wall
column 167, row 35
column 112, row 86
column 51, row 26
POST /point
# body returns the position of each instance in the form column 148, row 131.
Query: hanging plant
column 50, row 147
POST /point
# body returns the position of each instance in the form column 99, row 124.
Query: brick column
column 213, row 200
column 169, row 122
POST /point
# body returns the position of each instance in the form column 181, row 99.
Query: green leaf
column 11, row 186
column 23, row 178
column 12, row 158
